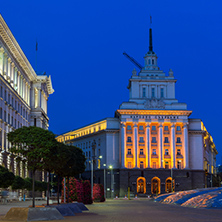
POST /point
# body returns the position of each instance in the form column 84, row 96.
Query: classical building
column 23, row 96
column 151, row 145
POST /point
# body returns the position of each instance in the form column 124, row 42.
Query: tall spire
column 150, row 36
column 151, row 42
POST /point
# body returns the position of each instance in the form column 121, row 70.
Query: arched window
column 141, row 165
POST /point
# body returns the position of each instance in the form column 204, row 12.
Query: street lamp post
column 92, row 178
column 111, row 181
column 104, row 182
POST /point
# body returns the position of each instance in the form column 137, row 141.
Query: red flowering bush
column 98, row 193
column 87, row 199
column 78, row 191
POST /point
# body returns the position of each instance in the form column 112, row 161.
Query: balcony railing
column 167, row 156
column 154, row 156
column 129, row 155
column 142, row 156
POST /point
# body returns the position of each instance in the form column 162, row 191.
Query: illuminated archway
column 155, row 185
column 141, row 185
column 168, row 185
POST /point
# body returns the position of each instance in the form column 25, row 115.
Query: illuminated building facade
column 23, row 96
column 150, row 141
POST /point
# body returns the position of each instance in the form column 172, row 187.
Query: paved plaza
column 136, row 211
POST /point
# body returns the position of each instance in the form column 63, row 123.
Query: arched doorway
column 168, row 185
column 155, row 185
column 141, row 185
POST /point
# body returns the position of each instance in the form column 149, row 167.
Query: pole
column 171, row 179
column 112, row 183
column 104, row 182
column 92, row 178
column 64, row 190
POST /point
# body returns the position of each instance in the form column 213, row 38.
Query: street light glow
column 110, row 167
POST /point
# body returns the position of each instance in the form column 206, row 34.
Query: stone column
column 1, row 60
column 173, row 146
column 148, row 146
column 160, row 143
column 186, row 151
column 12, row 75
column 39, row 97
column 135, row 143
column 18, row 82
column 9, row 70
column 123, row 144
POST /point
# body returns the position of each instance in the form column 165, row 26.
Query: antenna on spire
column 150, row 36
column 36, row 49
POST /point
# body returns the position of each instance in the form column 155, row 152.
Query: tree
column 34, row 143
column 18, row 183
column 75, row 163
column 6, row 177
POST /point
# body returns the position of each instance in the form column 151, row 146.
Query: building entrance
column 141, row 185
column 155, row 186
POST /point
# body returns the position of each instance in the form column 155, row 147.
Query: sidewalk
column 4, row 208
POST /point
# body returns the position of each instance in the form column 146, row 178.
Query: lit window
column 129, row 152
column 161, row 93
column 153, row 92
column 140, row 127
column 129, row 165
column 178, row 140
column 178, row 151
column 154, row 165
column 166, row 128
column 166, row 165
column 153, row 128
column 153, row 139
column 141, row 140
column 141, row 152
column 144, row 92
column 153, row 151
column 128, row 127
column 166, row 140
column 141, row 165
column 179, row 164
column 166, row 152
column 129, row 139
column 178, row 128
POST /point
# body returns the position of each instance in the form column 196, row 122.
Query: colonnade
column 160, row 146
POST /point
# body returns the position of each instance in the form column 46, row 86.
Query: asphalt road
column 142, row 210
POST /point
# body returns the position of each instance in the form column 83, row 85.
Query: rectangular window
column 153, row 128
column 166, row 140
column 154, row 165
column 0, row 113
column 166, row 152
column 140, row 127
column 129, row 152
column 153, row 92
column 141, row 140
column 129, row 139
column 179, row 164
column 161, row 93
column 153, row 151
column 144, row 92
column 141, row 152
column 166, row 165
column 128, row 127
column 178, row 140
column 178, row 151
column 12, row 121
column 1, row 92
column 89, row 154
column 15, row 105
column 153, row 140
column 178, row 128
column 8, row 118
column 5, row 116
column 166, row 128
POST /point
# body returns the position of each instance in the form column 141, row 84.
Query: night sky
column 80, row 44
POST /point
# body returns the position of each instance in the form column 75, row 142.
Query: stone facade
column 23, row 97
column 151, row 145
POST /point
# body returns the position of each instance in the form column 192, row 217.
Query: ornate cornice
column 154, row 112
column 15, row 49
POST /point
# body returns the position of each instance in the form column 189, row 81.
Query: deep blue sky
column 81, row 43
